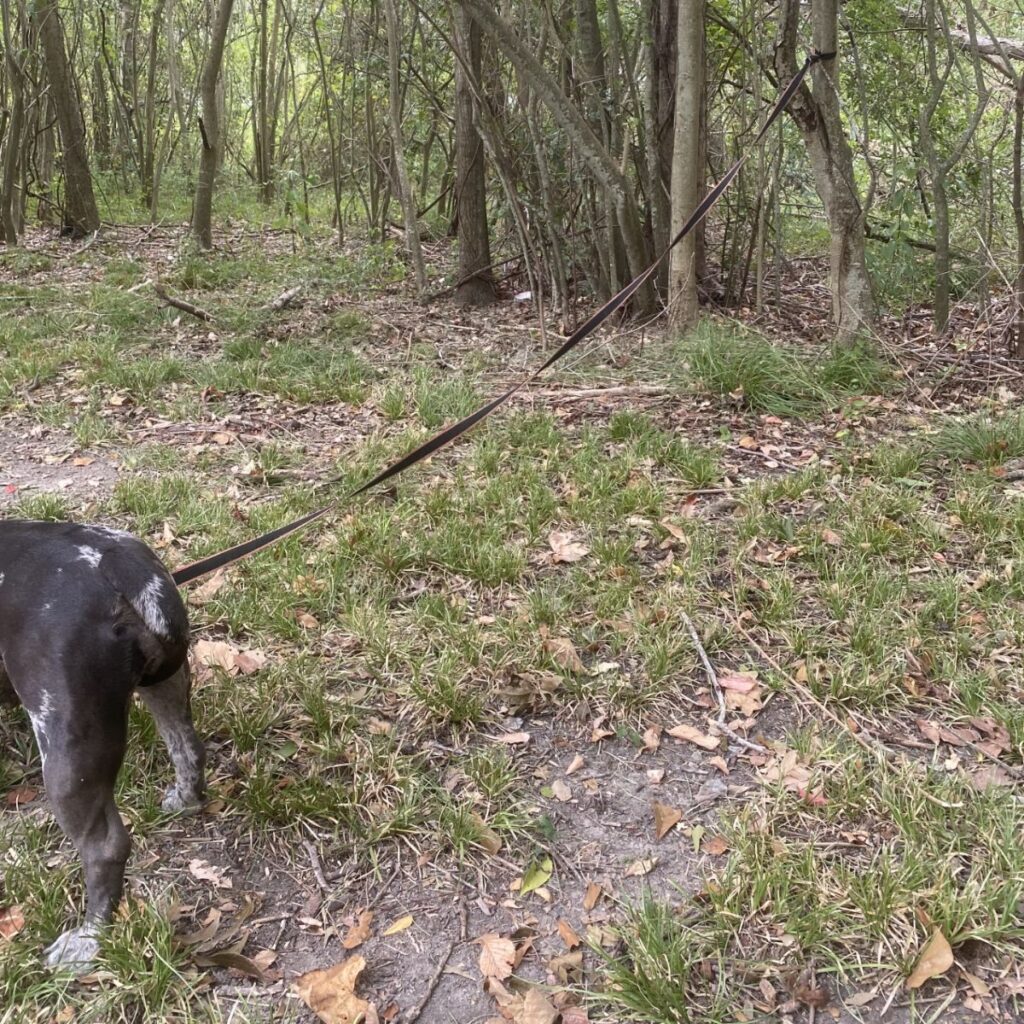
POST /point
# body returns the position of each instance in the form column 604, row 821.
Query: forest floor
column 463, row 739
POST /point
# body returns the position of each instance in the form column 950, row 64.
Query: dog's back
column 63, row 579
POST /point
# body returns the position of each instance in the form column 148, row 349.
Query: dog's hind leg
column 168, row 703
column 79, row 771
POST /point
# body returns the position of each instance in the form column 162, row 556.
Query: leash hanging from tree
column 211, row 563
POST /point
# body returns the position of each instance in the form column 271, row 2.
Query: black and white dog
column 88, row 615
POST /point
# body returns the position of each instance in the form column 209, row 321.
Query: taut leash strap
column 188, row 573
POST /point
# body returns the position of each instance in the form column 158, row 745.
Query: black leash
column 188, row 573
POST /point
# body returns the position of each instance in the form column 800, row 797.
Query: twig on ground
column 435, row 978
column 185, row 307
column 85, row 245
column 314, row 860
column 712, row 675
column 286, row 298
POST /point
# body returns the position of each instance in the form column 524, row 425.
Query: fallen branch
column 712, row 675
column 185, row 307
column 415, row 1012
column 284, row 299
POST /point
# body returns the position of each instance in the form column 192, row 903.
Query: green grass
column 767, row 376
column 882, row 580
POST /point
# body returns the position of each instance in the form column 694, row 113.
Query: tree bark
column 210, row 128
column 686, row 162
column 476, row 285
column 405, row 196
column 81, row 216
column 816, row 113
column 600, row 161
column 10, row 199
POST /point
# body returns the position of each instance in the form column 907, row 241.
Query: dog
column 89, row 615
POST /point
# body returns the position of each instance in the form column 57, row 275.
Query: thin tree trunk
column 81, row 216
column 686, row 162
column 210, row 128
column 816, row 114
column 10, row 206
column 476, row 285
column 405, row 196
column 149, row 131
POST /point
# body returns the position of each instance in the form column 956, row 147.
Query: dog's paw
column 176, row 802
column 75, row 950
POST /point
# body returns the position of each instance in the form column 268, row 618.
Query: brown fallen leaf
column 21, row 795
column 665, row 819
column 568, row 934
column 331, row 994
column 207, row 872
column 593, row 894
column 536, row 1009
column 398, row 926
column 205, row 592
column 805, row 989
column 831, row 538
column 12, row 921
column 715, row 846
column 641, row 867
column 497, row 956
column 695, row 736
column 562, row 652
column 565, row 549
column 740, row 682
column 936, row 958
column 652, row 738
column 306, row 620
column 574, row 765
column 561, row 790
column 359, row 932
column 513, row 739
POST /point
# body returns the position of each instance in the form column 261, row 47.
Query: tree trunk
column 602, row 164
column 10, row 202
column 686, row 162
column 405, row 196
column 149, row 132
column 1017, row 340
column 210, row 128
column 816, row 114
column 476, row 285
column 81, row 217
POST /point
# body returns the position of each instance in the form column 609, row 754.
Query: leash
column 187, row 573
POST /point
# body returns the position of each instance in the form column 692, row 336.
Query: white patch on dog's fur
column 89, row 554
column 1, row 579
column 39, row 720
column 111, row 532
column 148, row 603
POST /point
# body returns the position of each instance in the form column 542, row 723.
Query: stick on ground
column 185, row 307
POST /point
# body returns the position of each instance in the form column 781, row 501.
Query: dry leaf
column 306, row 620
column 665, row 819
column 565, row 549
column 715, row 846
column 561, row 790
column 21, row 795
column 224, row 655
column 741, row 682
column 399, row 926
column 536, row 1009
column 936, row 959
column 331, row 995
column 497, row 956
column 513, row 739
column 574, row 765
column 12, row 920
column 641, row 867
column 562, row 652
column 359, row 932
column 652, row 738
column 593, row 894
column 205, row 592
column 831, row 538
column 569, row 935
column 692, row 735
column 207, row 872
column 655, row 776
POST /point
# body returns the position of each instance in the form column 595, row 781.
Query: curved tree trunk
column 816, row 114
column 209, row 127
column 476, row 281
column 81, row 216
